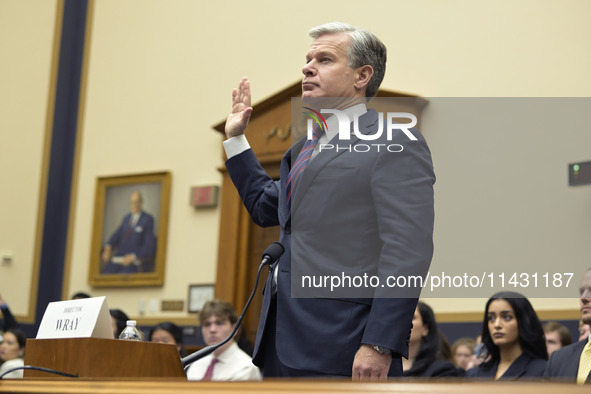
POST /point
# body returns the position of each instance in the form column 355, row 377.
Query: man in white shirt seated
column 228, row 362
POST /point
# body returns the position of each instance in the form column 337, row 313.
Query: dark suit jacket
column 435, row 369
column 385, row 226
column 524, row 367
column 563, row 364
column 9, row 320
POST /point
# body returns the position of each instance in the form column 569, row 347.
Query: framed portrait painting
column 129, row 231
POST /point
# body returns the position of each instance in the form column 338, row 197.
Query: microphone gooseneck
column 270, row 255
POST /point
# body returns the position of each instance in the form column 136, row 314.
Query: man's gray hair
column 364, row 48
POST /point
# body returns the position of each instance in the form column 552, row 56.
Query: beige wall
column 26, row 43
column 161, row 72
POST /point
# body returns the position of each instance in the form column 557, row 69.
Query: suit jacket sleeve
column 9, row 320
column 115, row 238
column 402, row 192
column 258, row 191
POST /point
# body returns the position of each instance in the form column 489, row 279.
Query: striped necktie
column 584, row 363
column 301, row 162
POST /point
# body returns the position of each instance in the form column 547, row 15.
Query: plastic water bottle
column 131, row 333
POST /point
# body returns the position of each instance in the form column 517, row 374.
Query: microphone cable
column 270, row 255
column 42, row 369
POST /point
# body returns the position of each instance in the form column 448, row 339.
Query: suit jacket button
column 287, row 229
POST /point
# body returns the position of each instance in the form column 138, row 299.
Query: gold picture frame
column 137, row 256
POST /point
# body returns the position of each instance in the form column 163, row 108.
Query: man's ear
column 364, row 74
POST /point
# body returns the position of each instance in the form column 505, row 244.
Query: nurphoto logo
column 317, row 123
column 318, row 119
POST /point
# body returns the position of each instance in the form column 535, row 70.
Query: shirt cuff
column 235, row 145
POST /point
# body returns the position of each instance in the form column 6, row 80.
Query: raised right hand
column 241, row 109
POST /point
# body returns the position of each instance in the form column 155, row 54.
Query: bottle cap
column 131, row 323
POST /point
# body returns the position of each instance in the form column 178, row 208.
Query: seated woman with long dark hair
column 424, row 347
column 514, row 339
column 168, row 332
column 12, row 352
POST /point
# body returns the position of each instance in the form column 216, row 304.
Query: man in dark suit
column 565, row 364
column 340, row 211
column 131, row 248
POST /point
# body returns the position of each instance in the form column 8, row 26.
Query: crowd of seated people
column 12, row 344
column 513, row 344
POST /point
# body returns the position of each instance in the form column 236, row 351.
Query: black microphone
column 270, row 255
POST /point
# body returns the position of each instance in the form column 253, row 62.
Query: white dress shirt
column 7, row 365
column 233, row 364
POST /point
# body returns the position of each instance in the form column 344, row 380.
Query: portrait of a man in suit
column 131, row 248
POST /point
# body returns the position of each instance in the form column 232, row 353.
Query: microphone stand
column 270, row 255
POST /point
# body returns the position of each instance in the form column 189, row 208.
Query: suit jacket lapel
column 367, row 122
column 576, row 358
column 518, row 368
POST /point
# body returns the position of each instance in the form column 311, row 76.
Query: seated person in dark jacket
column 424, row 347
column 514, row 339
column 9, row 320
